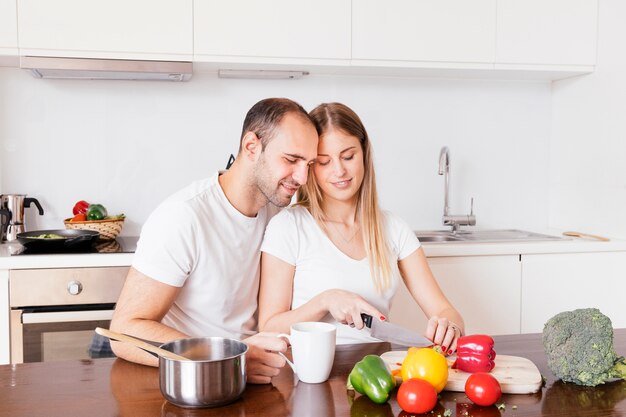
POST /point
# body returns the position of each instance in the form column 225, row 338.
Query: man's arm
column 140, row 308
column 143, row 303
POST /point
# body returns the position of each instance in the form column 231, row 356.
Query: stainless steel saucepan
column 197, row 372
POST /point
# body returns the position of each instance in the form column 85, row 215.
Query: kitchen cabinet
column 484, row 289
column 8, row 28
column 115, row 263
column 273, row 31
column 547, row 32
column 424, row 32
column 117, row 29
column 552, row 283
column 510, row 39
column 5, row 343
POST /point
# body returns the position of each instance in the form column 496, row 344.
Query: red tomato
column 416, row 396
column 483, row 388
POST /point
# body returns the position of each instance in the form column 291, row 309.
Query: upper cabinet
column 272, row 31
column 547, row 32
column 545, row 39
column 541, row 39
column 424, row 31
column 8, row 27
column 118, row 29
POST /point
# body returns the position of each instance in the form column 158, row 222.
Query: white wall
column 130, row 144
column 588, row 145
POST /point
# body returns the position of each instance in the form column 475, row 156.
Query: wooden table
column 114, row 387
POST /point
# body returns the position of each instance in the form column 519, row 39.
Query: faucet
column 454, row 220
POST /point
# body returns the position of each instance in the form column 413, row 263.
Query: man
column 196, row 269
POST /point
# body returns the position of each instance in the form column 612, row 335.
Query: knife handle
column 367, row 319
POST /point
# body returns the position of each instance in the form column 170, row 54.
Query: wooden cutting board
column 516, row 375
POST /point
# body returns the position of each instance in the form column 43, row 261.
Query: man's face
column 284, row 164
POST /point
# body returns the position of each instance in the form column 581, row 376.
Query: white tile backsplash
column 130, row 144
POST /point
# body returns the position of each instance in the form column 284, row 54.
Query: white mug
column 313, row 350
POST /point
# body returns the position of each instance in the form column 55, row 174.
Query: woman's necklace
column 341, row 234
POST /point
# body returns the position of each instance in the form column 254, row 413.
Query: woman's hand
column 444, row 333
column 346, row 307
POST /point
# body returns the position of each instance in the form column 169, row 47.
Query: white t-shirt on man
column 294, row 237
column 198, row 241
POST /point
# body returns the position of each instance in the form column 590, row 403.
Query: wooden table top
column 114, row 387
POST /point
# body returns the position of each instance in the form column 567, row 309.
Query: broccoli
column 579, row 348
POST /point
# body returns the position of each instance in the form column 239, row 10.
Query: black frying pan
column 70, row 241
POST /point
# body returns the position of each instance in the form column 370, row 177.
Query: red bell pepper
column 475, row 353
column 80, row 207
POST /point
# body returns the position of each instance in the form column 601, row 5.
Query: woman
column 335, row 254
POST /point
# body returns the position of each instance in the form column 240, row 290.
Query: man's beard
column 268, row 187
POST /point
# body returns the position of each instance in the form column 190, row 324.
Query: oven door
column 46, row 334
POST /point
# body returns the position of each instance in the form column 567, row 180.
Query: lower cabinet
column 552, row 283
column 486, row 290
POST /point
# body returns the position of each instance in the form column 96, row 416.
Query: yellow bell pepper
column 426, row 364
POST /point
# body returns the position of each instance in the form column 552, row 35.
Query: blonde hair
column 328, row 116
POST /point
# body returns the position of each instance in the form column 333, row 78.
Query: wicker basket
column 108, row 229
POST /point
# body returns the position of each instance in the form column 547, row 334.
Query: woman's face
column 339, row 168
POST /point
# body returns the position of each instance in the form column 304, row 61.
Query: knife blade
column 393, row 333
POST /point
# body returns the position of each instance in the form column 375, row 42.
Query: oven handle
column 66, row 316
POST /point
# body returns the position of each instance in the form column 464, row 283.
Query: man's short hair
column 265, row 115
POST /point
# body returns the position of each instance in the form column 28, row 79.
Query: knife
column 393, row 333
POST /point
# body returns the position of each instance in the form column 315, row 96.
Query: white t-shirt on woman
column 294, row 237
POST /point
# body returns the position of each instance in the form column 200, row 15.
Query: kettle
column 12, row 214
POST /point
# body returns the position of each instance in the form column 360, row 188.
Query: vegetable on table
column 371, row 377
column 579, row 348
column 416, row 396
column 475, row 353
column 80, row 207
column 426, row 364
column 483, row 388
column 96, row 212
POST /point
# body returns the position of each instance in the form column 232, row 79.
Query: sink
column 438, row 238
column 479, row 236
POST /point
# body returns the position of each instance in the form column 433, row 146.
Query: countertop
column 114, row 387
column 432, row 250
column 572, row 245
column 59, row 260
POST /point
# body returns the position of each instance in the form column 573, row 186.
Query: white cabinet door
column 271, row 29
column 5, row 351
column 424, row 30
column 484, row 289
column 8, row 27
column 550, row 32
column 138, row 29
column 559, row 282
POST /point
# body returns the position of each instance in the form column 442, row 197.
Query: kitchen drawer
column 46, row 287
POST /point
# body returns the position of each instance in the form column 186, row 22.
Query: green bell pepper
column 371, row 377
column 96, row 212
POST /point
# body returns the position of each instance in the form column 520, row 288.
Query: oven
column 54, row 312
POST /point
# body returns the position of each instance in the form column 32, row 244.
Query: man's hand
column 262, row 360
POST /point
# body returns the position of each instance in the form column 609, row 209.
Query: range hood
column 106, row 69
